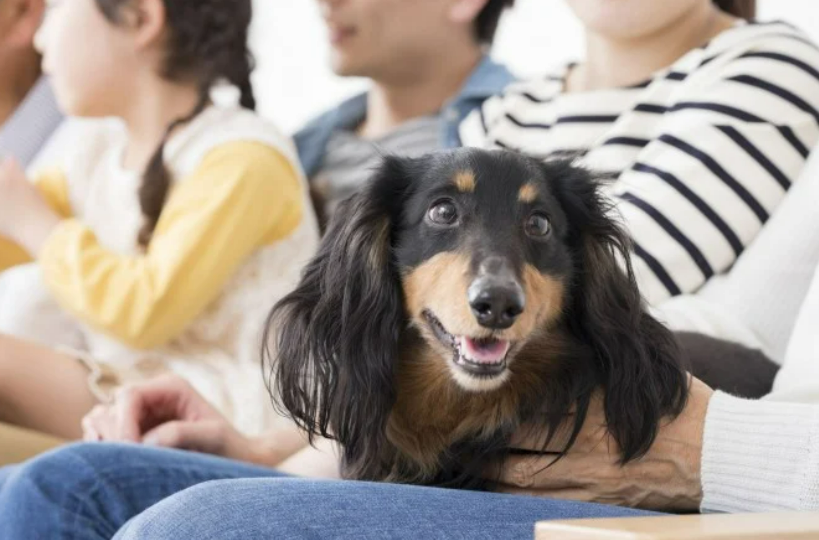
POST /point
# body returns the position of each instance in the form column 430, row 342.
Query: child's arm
column 11, row 254
column 243, row 196
column 54, row 189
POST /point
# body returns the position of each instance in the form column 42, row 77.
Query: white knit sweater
column 764, row 455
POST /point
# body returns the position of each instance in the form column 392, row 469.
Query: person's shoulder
column 489, row 78
column 311, row 140
column 754, row 72
column 222, row 126
column 348, row 111
column 537, row 90
column 760, row 40
column 522, row 97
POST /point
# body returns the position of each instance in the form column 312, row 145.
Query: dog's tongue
column 491, row 351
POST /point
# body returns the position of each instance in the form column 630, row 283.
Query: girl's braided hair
column 207, row 42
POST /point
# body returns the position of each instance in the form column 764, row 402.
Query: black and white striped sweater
column 703, row 152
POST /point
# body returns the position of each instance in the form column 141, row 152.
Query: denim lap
column 290, row 508
column 89, row 491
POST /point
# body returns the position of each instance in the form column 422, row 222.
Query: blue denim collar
column 489, row 78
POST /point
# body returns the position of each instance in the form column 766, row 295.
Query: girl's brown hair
column 744, row 9
column 207, row 42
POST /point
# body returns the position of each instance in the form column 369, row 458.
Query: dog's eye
column 538, row 225
column 443, row 213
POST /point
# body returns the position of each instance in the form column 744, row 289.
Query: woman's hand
column 25, row 216
column 168, row 412
column 666, row 478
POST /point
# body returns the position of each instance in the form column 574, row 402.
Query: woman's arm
column 764, row 455
column 243, row 196
column 760, row 456
column 757, row 302
column 721, row 454
column 666, row 478
column 701, row 191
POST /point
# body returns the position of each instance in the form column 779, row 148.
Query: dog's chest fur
column 435, row 426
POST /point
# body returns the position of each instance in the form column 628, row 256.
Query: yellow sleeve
column 54, row 188
column 242, row 196
column 11, row 254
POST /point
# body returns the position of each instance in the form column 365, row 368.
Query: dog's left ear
column 331, row 344
column 637, row 358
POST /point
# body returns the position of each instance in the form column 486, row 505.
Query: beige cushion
column 18, row 445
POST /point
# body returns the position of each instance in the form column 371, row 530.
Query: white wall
column 293, row 81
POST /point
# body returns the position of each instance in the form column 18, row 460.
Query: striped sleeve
column 722, row 161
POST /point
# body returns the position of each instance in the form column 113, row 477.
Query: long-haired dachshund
column 461, row 296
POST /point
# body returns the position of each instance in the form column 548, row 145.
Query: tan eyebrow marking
column 465, row 181
column 527, row 193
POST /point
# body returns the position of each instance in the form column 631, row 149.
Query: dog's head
column 481, row 252
column 482, row 244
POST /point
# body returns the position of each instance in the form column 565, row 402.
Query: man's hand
column 666, row 478
column 25, row 216
column 168, row 412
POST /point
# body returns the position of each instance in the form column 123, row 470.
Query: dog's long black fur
column 335, row 344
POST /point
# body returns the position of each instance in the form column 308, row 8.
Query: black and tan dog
column 461, row 296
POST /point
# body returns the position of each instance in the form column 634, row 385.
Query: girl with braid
column 170, row 230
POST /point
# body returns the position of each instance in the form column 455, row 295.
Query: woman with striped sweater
column 705, row 120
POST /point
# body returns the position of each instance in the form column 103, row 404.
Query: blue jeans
column 291, row 508
column 90, row 491
column 5, row 472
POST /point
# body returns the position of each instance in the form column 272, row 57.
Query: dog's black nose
column 496, row 303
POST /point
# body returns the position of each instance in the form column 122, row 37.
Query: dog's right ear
column 331, row 345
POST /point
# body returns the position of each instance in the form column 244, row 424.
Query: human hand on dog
column 168, row 412
column 666, row 478
column 25, row 216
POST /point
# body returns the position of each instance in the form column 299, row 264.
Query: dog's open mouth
column 480, row 357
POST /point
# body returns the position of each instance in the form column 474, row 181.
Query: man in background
column 428, row 64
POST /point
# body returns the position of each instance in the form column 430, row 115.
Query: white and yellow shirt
column 233, row 236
